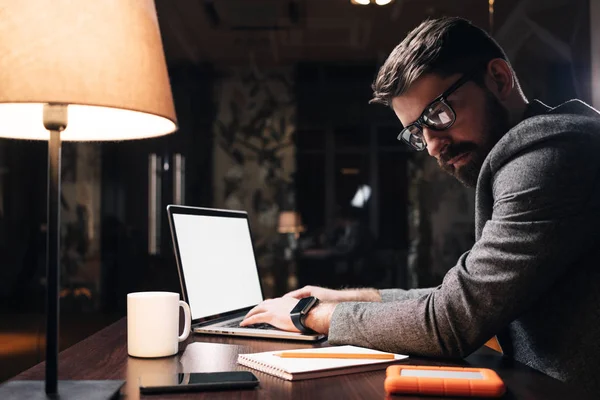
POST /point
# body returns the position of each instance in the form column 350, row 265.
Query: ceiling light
column 367, row 2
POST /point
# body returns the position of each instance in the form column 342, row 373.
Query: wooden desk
column 104, row 356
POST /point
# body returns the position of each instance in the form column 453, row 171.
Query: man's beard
column 496, row 124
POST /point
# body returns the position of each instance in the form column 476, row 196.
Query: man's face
column 480, row 122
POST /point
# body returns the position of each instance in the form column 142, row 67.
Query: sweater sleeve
column 544, row 216
column 388, row 295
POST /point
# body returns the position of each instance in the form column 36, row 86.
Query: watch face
column 304, row 305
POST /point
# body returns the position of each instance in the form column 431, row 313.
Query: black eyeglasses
column 438, row 115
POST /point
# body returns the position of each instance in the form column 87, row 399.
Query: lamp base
column 67, row 390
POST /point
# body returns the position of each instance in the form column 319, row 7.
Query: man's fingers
column 255, row 319
column 259, row 308
column 261, row 316
column 298, row 293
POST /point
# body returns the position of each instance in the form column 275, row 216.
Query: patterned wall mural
column 254, row 153
column 441, row 221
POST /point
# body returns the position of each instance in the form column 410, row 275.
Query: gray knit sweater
column 533, row 274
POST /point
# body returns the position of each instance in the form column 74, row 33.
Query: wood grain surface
column 104, row 356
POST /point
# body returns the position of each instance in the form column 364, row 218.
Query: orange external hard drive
column 443, row 381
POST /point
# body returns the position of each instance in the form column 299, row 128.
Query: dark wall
column 343, row 143
column 126, row 264
column 22, row 241
column 338, row 128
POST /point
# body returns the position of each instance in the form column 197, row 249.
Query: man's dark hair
column 443, row 46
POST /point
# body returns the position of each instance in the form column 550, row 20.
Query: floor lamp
column 291, row 224
column 78, row 70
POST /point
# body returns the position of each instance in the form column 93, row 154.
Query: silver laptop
column 218, row 272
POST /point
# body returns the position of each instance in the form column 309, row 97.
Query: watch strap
column 298, row 323
column 298, row 320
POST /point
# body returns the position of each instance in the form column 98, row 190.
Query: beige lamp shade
column 103, row 58
column 289, row 222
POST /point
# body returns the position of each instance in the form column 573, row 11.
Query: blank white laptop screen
column 218, row 263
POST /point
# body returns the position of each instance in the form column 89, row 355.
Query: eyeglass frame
column 441, row 98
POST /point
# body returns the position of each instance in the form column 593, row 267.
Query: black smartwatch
column 300, row 311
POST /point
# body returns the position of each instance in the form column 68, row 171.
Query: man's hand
column 277, row 313
column 336, row 296
column 273, row 311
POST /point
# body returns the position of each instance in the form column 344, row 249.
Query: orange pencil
column 373, row 356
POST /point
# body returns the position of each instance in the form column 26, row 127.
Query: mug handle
column 188, row 321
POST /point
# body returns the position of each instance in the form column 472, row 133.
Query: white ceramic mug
column 153, row 324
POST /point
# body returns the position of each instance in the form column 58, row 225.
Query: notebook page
column 300, row 365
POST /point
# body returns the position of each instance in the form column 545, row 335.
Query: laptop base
column 258, row 333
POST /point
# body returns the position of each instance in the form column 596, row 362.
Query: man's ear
column 499, row 78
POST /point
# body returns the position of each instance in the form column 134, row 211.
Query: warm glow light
column 289, row 222
column 367, row 2
column 19, row 343
column 85, row 123
column 104, row 60
column 350, row 171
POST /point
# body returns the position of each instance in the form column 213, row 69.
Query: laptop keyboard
column 236, row 324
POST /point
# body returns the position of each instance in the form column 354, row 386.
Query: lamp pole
column 38, row 85
column 55, row 121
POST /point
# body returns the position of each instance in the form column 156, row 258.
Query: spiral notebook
column 294, row 369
